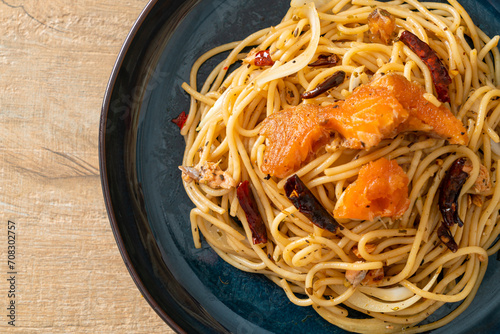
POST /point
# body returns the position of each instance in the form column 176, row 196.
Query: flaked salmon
column 381, row 190
column 378, row 110
column 294, row 135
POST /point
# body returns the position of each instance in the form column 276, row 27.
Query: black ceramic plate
column 192, row 289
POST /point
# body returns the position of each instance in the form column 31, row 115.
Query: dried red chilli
column 180, row 120
column 303, row 199
column 249, row 206
column 446, row 238
column 326, row 61
column 449, row 190
column 332, row 81
column 263, row 58
column 439, row 73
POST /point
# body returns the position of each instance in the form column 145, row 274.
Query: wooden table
column 67, row 274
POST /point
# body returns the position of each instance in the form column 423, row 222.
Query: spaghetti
column 397, row 267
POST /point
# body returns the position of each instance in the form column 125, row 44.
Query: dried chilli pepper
column 326, row 61
column 439, row 73
column 303, row 199
column 332, row 81
column 180, row 120
column 263, row 58
column 249, row 206
column 446, row 238
column 449, row 190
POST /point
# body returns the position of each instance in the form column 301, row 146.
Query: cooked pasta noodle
column 310, row 263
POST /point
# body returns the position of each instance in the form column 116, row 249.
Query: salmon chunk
column 381, row 109
column 382, row 25
column 411, row 96
column 294, row 135
column 381, row 190
column 367, row 116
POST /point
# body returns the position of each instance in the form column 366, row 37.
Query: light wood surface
column 55, row 60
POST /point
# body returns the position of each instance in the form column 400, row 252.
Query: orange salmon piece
column 295, row 134
column 411, row 96
column 381, row 190
column 367, row 116
column 382, row 25
column 381, row 109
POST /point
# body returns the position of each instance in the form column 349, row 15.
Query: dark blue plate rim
column 104, row 176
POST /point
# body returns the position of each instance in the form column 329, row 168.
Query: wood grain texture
column 55, row 59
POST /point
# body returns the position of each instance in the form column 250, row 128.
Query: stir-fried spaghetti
column 352, row 158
